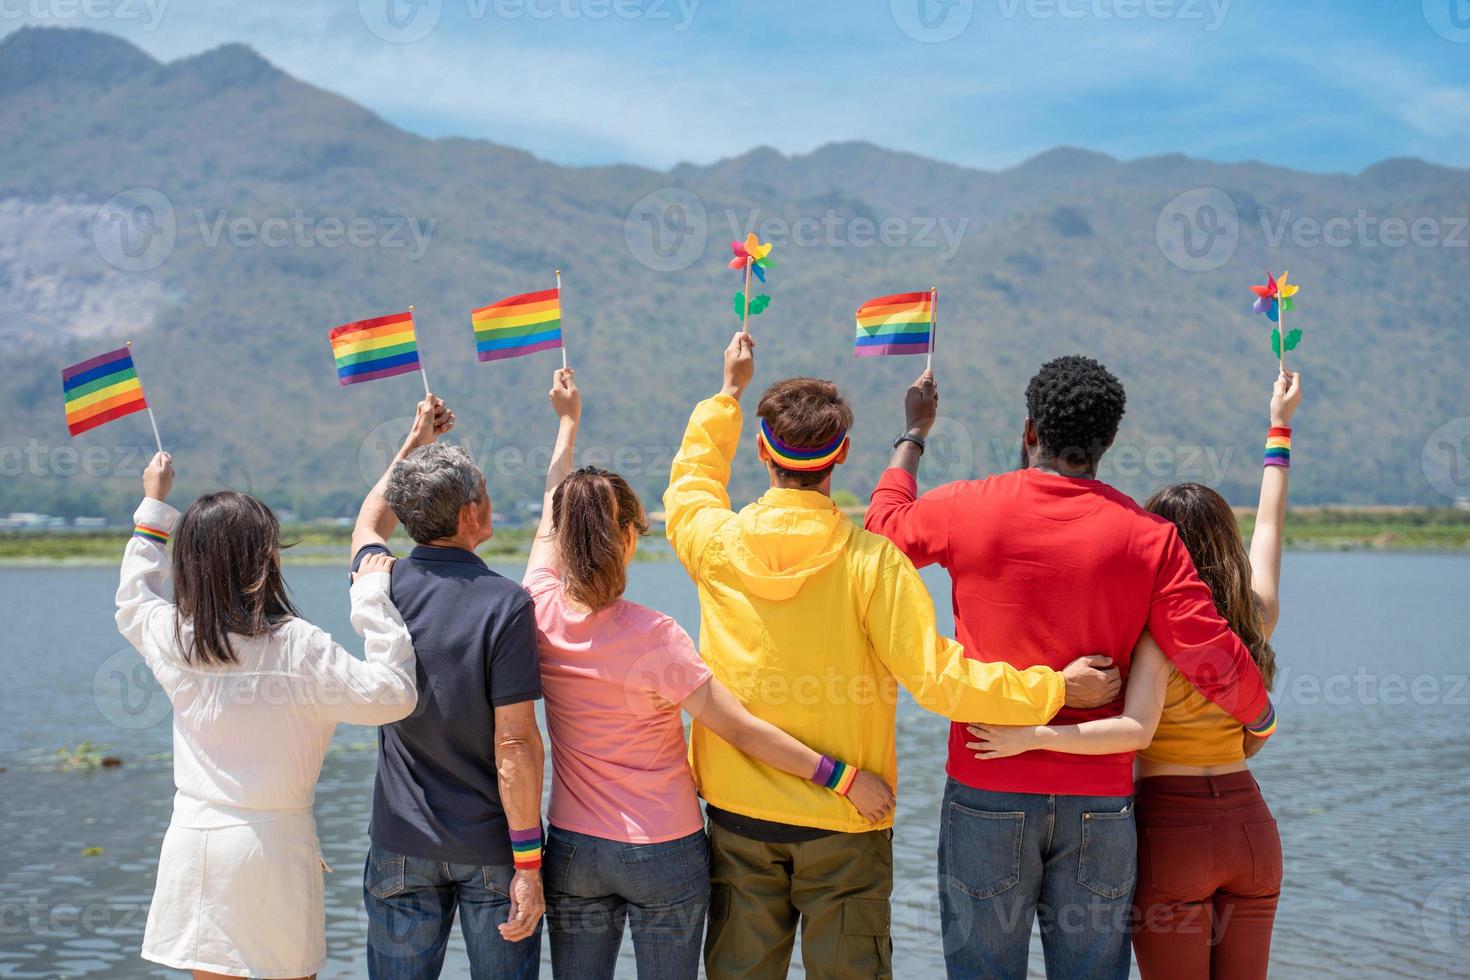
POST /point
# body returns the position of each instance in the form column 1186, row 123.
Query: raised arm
column 1148, row 679
column 566, row 401
column 1286, row 395
column 381, row 688
column 375, row 519
column 697, row 502
column 919, row 526
column 714, row 707
column 145, row 566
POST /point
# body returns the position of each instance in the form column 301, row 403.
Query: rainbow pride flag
column 378, row 348
column 899, row 324
column 101, row 389
column 518, row 325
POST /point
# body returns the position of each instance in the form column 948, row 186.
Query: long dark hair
column 227, row 575
column 591, row 511
column 1208, row 529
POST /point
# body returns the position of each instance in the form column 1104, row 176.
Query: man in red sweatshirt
column 1048, row 563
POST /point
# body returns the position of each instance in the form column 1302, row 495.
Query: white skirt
column 239, row 893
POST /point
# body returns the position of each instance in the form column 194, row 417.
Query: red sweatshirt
column 1046, row 569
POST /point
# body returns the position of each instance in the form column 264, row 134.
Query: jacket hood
column 787, row 536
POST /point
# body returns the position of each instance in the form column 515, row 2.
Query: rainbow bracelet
column 836, row 776
column 150, row 533
column 1267, row 725
column 1278, row 446
column 525, row 848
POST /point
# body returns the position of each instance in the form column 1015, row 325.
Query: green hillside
column 256, row 212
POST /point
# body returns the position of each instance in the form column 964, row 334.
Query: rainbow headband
column 800, row 460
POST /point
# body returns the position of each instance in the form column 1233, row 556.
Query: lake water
column 1369, row 775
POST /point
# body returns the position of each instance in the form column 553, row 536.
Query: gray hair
column 429, row 486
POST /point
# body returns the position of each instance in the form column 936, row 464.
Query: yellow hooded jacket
column 810, row 620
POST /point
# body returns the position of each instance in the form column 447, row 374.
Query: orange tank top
column 1193, row 730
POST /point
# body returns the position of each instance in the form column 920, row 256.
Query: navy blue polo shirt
column 474, row 636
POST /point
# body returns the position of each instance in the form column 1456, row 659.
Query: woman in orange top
column 1209, row 856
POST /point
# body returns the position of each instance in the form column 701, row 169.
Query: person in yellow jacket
column 811, row 622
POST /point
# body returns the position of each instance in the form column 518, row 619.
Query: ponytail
column 591, row 511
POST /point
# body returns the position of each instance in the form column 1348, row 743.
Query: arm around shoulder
column 901, row 627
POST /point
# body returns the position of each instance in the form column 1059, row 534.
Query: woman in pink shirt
column 627, row 836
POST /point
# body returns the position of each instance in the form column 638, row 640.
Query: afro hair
column 1075, row 405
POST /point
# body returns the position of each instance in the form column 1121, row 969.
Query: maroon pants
column 1209, row 878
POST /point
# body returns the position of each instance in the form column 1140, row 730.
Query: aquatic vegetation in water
column 85, row 758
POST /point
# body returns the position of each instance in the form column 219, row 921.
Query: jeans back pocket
column 1107, row 864
column 383, row 876
column 983, row 849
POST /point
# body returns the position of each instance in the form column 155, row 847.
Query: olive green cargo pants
column 836, row 886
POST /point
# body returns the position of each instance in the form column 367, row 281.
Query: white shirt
column 253, row 734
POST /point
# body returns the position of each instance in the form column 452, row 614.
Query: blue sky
column 1312, row 84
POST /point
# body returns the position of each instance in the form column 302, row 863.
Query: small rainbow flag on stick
column 899, row 324
column 519, row 325
column 104, row 388
column 378, row 348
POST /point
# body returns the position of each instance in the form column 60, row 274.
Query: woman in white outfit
column 256, row 694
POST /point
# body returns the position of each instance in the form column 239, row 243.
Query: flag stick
column 422, row 373
column 745, row 317
column 151, row 419
column 933, row 326
column 563, row 326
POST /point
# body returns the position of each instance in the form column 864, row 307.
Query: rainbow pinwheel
column 755, row 253
column 1272, row 300
column 751, row 257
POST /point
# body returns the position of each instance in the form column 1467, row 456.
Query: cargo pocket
column 384, row 876
column 983, row 850
column 1265, row 843
column 1179, row 861
column 1107, row 864
column 866, row 938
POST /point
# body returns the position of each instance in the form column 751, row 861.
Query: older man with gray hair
column 457, row 803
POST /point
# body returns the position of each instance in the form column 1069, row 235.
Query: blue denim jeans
column 1007, row 859
column 411, row 903
column 594, row 885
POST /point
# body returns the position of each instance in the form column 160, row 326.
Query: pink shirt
column 620, row 769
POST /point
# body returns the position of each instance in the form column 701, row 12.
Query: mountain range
column 222, row 216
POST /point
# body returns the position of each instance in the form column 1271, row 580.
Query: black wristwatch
column 910, row 437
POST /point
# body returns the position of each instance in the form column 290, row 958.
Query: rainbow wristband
column 525, row 848
column 1267, row 726
column 150, row 533
column 836, row 776
column 1278, row 446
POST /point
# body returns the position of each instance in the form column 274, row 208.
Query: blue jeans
column 410, row 904
column 594, row 885
column 1006, row 859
